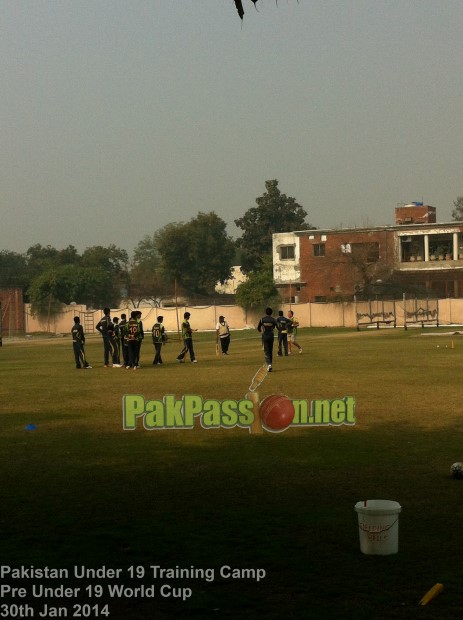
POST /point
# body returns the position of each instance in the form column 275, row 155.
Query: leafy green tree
column 198, row 254
column 112, row 258
column 146, row 252
column 457, row 213
column 13, row 270
column 172, row 241
column 39, row 254
column 69, row 256
column 43, row 295
column 95, row 288
column 40, row 259
column 114, row 261
column 259, row 290
column 63, row 284
column 144, row 277
column 57, row 277
column 275, row 212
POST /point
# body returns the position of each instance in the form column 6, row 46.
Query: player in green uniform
column 187, row 334
column 132, row 330
column 159, row 337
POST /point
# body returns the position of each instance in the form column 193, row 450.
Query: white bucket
column 378, row 526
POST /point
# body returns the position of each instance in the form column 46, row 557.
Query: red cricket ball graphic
column 276, row 412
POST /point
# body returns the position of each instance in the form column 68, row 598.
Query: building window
column 287, row 252
column 318, row 249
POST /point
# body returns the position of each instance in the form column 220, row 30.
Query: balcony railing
column 433, row 262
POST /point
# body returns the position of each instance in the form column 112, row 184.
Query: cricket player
column 78, row 342
column 292, row 331
column 266, row 326
column 106, row 328
column 222, row 331
column 282, row 325
column 132, row 331
column 158, row 333
column 187, row 334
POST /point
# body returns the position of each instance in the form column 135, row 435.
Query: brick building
column 12, row 311
column 322, row 265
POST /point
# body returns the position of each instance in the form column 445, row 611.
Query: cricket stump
column 256, row 426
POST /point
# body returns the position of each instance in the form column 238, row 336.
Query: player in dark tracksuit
column 266, row 326
column 106, row 328
column 132, row 331
column 282, row 325
column 78, row 341
column 159, row 337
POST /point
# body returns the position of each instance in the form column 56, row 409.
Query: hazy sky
column 120, row 116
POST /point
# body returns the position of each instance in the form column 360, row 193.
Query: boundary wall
column 340, row 314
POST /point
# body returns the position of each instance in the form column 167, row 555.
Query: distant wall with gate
column 341, row 314
column 202, row 318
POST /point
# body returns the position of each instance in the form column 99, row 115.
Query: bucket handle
column 376, row 528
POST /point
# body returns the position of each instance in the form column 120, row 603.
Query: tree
column 96, row 288
column 40, row 259
column 43, row 295
column 259, row 290
column 112, row 258
column 457, row 213
column 144, row 283
column 61, row 276
column 113, row 261
column 146, row 252
column 13, row 270
column 68, row 256
column 144, row 277
column 63, row 284
column 275, row 212
column 197, row 254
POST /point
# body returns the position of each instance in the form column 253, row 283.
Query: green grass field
column 78, row 490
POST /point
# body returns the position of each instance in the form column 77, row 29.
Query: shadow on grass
column 280, row 503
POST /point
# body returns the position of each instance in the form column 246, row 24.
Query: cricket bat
column 253, row 396
column 82, row 356
column 217, row 349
